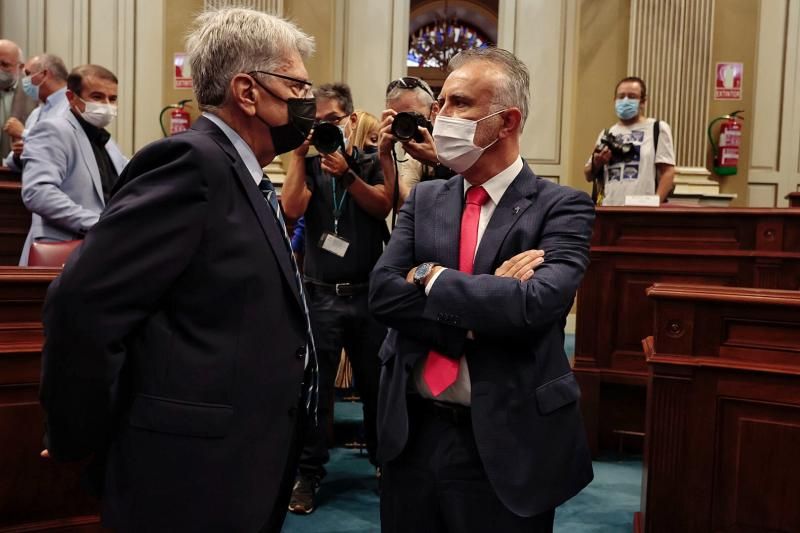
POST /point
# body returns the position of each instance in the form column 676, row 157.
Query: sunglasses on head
column 409, row 82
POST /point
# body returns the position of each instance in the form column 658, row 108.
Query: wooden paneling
column 35, row 494
column 723, row 416
column 634, row 248
column 15, row 220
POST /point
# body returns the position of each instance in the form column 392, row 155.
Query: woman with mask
column 365, row 134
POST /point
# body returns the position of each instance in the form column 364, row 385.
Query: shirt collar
column 56, row 96
column 496, row 186
column 242, row 148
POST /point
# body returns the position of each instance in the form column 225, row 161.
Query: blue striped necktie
column 312, row 388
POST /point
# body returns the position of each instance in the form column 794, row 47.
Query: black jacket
column 175, row 343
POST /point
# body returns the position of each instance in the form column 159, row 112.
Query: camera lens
column 327, row 138
column 404, row 126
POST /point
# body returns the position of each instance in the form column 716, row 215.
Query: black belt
column 456, row 414
column 340, row 289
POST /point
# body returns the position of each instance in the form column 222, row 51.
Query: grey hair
column 228, row 41
column 516, row 93
column 54, row 64
column 423, row 97
column 339, row 92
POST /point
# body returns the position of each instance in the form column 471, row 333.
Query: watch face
column 421, row 272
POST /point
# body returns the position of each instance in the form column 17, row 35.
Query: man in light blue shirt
column 46, row 82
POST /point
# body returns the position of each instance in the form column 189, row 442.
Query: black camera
column 405, row 126
column 619, row 151
column 327, row 138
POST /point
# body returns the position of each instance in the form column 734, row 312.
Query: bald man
column 45, row 81
column 15, row 106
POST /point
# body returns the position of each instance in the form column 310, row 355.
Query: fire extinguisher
column 179, row 118
column 726, row 150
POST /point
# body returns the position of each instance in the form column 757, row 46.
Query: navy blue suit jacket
column 175, row 344
column 525, row 414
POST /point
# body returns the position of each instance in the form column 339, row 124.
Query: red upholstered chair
column 51, row 254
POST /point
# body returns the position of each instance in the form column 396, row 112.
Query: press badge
column 333, row 244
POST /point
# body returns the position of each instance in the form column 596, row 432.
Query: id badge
column 334, row 244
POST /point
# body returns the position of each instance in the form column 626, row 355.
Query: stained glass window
column 434, row 44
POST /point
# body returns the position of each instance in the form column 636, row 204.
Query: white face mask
column 454, row 139
column 99, row 115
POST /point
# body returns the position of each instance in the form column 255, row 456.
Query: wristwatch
column 422, row 272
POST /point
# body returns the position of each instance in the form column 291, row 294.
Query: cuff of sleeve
column 429, row 285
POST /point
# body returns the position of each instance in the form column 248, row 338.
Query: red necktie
column 441, row 371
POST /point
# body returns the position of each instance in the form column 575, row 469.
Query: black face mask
column 302, row 113
column 301, row 119
column 368, row 149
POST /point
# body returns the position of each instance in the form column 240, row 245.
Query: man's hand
column 521, row 266
column 334, row 164
column 386, row 140
column 425, row 151
column 600, row 158
column 14, row 128
column 302, row 150
column 17, row 147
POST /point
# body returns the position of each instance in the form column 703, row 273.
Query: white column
column 670, row 48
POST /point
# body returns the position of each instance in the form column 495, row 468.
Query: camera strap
column 396, row 193
column 656, row 132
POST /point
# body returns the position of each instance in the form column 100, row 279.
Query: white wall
column 775, row 163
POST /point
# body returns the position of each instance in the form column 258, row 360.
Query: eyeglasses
column 409, row 82
column 302, row 86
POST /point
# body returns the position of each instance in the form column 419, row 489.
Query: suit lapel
column 269, row 224
column 88, row 155
column 517, row 199
column 447, row 226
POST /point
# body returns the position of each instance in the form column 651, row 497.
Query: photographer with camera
column 408, row 123
column 635, row 157
column 341, row 195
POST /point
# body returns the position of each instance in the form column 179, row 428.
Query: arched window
column 435, row 43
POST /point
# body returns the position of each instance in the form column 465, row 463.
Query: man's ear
column 434, row 110
column 244, row 93
column 512, row 123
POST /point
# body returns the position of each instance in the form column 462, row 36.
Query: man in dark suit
column 177, row 339
column 478, row 423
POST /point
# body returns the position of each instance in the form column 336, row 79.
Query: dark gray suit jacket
column 525, row 414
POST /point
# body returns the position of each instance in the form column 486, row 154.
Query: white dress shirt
column 459, row 392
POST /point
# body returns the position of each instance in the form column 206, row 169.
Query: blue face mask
column 626, row 108
column 29, row 88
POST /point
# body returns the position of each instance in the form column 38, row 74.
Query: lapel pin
column 516, row 210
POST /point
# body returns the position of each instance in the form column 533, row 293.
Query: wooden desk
column 723, row 411
column 15, row 220
column 35, row 494
column 794, row 199
column 632, row 248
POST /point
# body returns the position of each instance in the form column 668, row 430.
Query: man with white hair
column 15, row 106
column 478, row 420
column 178, row 349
